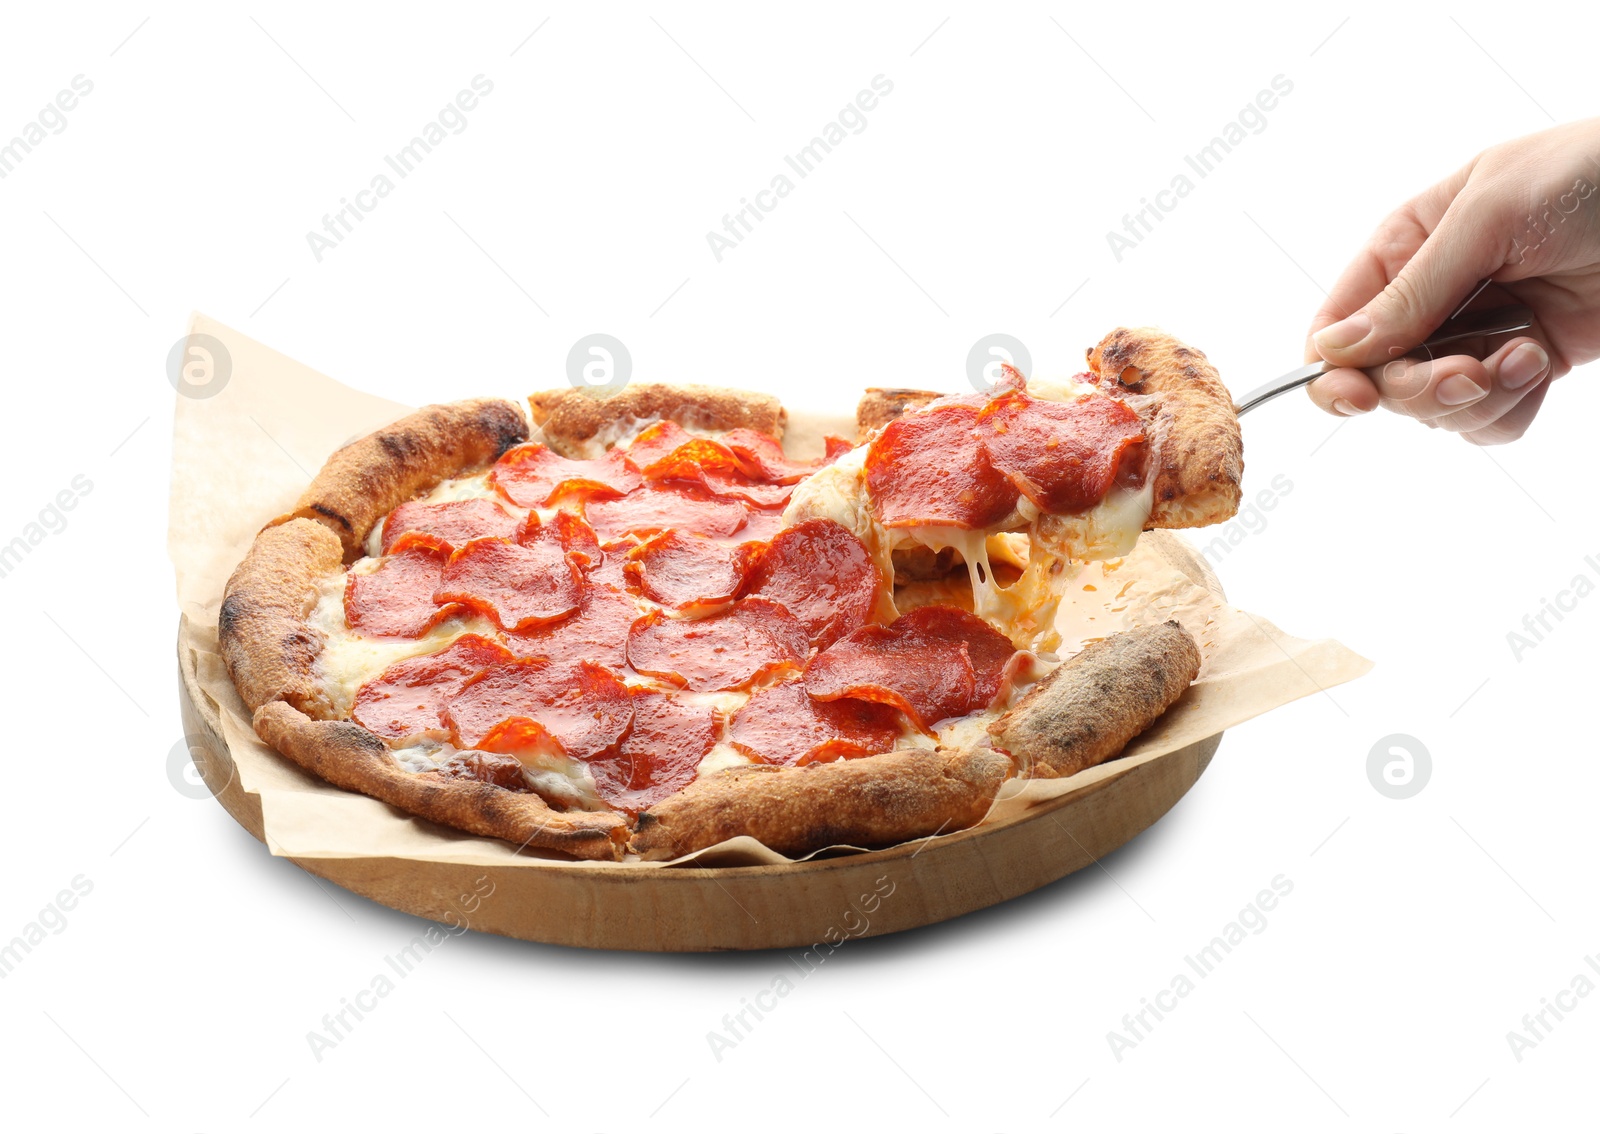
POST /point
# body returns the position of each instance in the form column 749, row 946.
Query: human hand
column 1524, row 214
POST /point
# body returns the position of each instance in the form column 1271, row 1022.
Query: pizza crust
column 1089, row 708
column 1201, row 452
column 370, row 477
column 879, row 406
column 266, row 640
column 873, row 801
column 348, row 756
column 579, row 425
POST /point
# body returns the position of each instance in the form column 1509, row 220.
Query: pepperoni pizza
column 644, row 628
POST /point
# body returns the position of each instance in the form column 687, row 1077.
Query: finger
column 1515, row 370
column 1344, row 393
column 1392, row 244
column 1516, row 421
column 1429, row 389
column 1463, row 249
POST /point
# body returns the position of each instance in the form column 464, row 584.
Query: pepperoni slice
column 531, row 476
column 567, row 533
column 652, row 508
column 516, row 705
column 928, row 468
column 1011, row 379
column 989, row 651
column 666, row 451
column 397, row 600
column 727, row 650
column 409, row 696
column 734, row 484
column 761, row 454
column 680, row 570
column 611, row 572
column 823, row 574
column 761, row 525
column 783, row 724
column 659, row 442
column 446, row 526
column 1063, row 456
column 597, row 633
column 518, row 586
column 659, row 755
column 933, row 662
column 739, row 487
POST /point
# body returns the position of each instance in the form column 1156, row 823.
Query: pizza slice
column 1024, row 481
column 647, row 628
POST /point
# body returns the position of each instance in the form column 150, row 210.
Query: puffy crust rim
column 1087, row 709
column 266, row 641
column 373, row 475
column 574, row 423
column 350, row 757
column 872, row 801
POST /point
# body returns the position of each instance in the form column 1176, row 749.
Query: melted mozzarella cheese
column 624, row 431
column 721, row 757
column 1059, row 389
column 348, row 660
column 836, row 492
column 464, row 488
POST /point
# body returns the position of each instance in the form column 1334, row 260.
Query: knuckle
column 1402, row 297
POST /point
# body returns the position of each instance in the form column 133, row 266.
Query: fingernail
column 1523, row 365
column 1458, row 390
column 1349, row 409
column 1344, row 334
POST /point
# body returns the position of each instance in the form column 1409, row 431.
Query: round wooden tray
column 818, row 902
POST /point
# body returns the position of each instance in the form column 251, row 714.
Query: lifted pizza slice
column 1021, row 482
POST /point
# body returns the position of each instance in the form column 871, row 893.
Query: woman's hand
column 1524, row 214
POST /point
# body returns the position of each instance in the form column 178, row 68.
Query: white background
column 1418, row 933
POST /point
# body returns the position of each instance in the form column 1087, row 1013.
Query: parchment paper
column 243, row 455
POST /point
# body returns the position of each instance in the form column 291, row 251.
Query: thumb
column 1427, row 289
